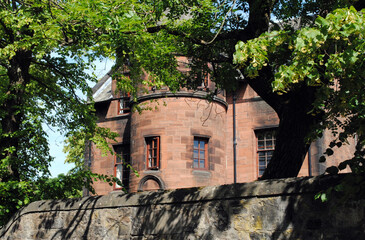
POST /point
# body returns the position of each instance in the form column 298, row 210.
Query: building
column 182, row 140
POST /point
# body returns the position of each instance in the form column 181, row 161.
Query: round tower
column 178, row 141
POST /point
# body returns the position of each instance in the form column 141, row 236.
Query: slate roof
column 102, row 91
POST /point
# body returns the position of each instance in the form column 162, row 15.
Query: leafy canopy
column 45, row 48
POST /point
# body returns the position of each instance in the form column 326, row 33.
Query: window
column 200, row 155
column 124, row 104
column 153, row 153
column 204, row 85
column 120, row 170
column 265, row 147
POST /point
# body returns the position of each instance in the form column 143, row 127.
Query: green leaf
column 322, row 22
column 324, row 197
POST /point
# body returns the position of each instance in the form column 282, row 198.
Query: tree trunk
column 295, row 125
column 12, row 108
column 291, row 146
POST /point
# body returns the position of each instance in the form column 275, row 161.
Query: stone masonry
column 276, row 209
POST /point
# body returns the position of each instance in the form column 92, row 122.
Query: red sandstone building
column 187, row 141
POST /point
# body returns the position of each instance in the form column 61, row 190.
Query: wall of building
column 177, row 121
column 103, row 162
column 179, row 117
column 276, row 209
column 252, row 115
column 345, row 152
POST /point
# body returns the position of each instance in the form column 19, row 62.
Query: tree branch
column 262, row 86
column 62, row 74
column 7, row 31
column 60, row 95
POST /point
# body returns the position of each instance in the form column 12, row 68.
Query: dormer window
column 124, row 104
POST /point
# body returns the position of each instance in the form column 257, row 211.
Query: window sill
column 123, row 114
column 151, row 171
column 201, row 172
column 117, row 117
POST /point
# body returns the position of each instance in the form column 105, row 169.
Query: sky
column 56, row 140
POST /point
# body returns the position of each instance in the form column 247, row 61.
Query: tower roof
column 102, row 91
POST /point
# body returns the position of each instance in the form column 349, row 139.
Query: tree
column 45, row 46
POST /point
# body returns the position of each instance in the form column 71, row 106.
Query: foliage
column 45, row 48
column 351, row 187
column 318, row 55
column 158, row 32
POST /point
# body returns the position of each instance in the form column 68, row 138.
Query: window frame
column 206, row 142
column 149, row 142
column 126, row 107
column 266, row 150
column 124, row 151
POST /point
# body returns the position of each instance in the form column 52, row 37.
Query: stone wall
column 277, row 209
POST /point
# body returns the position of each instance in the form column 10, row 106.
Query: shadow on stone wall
column 189, row 217
column 277, row 209
column 65, row 224
column 307, row 218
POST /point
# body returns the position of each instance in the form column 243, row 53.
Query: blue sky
column 56, row 140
